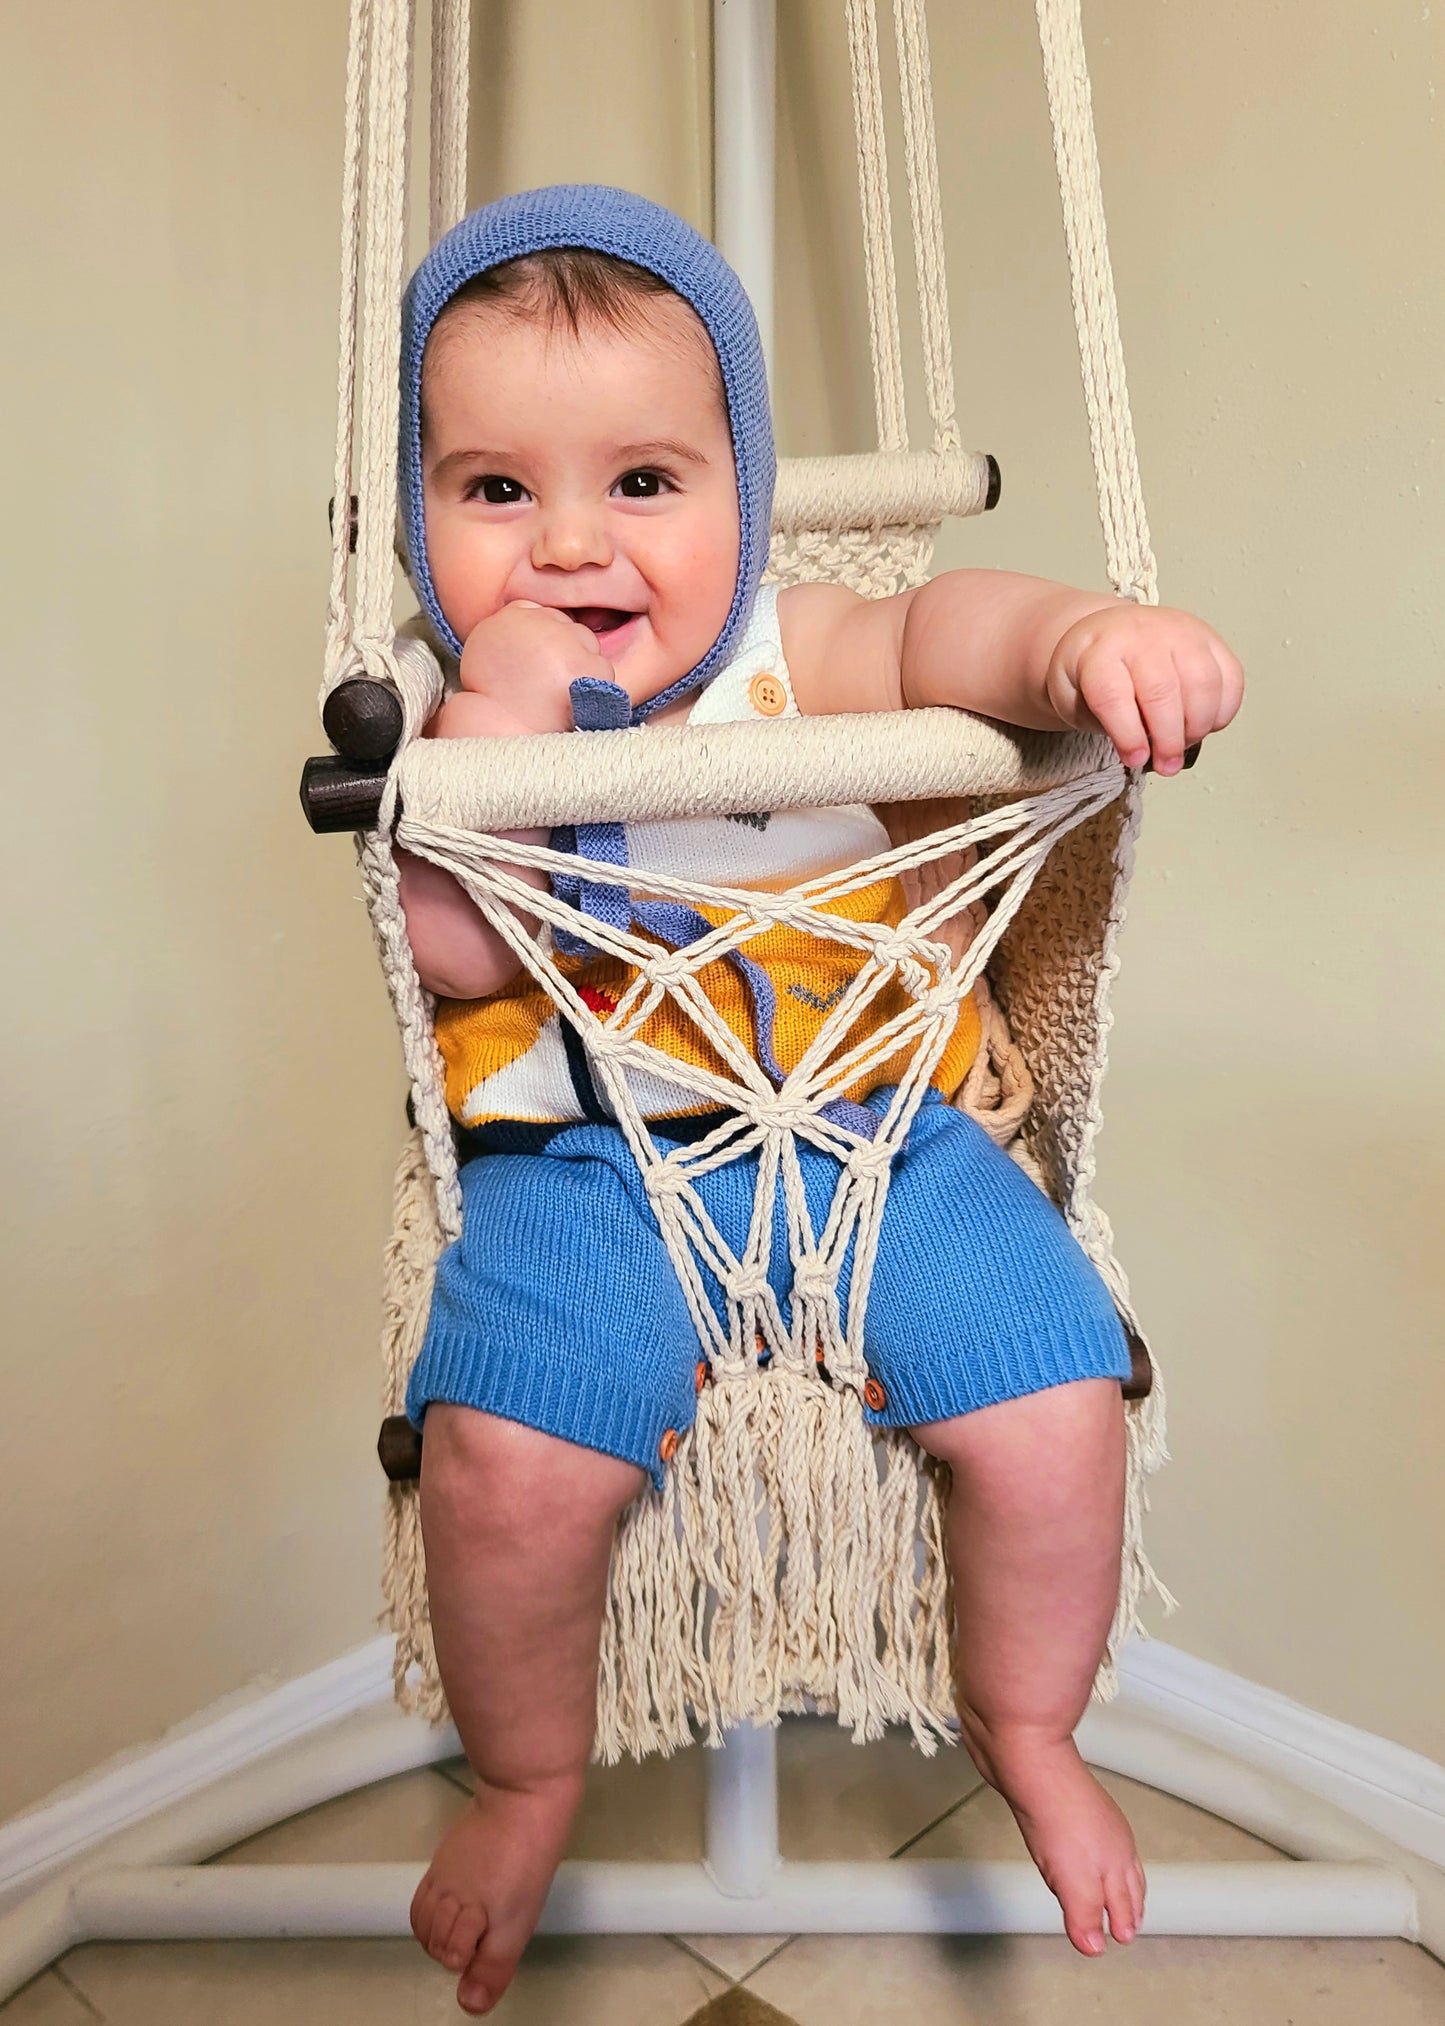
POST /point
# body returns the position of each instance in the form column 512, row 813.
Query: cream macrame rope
column 926, row 211
column 361, row 622
column 879, row 277
column 1129, row 558
column 711, row 1618
column 1128, row 554
column 451, row 36
column 338, row 611
column 863, row 522
column 711, row 770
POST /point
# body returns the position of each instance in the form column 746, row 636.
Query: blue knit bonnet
column 605, row 220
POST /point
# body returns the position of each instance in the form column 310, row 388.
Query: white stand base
column 148, row 1884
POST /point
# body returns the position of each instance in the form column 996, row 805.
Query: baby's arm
column 1021, row 649
column 517, row 669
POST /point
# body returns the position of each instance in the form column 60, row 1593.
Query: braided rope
column 910, row 29
column 338, row 661
column 387, row 100
column 884, row 344
column 1128, row 554
column 450, row 90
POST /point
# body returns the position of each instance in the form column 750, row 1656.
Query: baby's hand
column 525, row 659
column 1153, row 679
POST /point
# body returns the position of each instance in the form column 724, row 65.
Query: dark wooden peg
column 337, row 796
column 363, row 720
column 399, row 1447
column 1140, row 1382
column 995, row 483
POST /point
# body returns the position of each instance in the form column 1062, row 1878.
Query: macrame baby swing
column 714, row 1619
column 793, row 1560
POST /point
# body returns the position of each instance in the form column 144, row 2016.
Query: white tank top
column 771, row 848
column 510, row 1058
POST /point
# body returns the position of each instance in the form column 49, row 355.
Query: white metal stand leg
column 148, row 1882
column 742, row 1813
column 744, row 40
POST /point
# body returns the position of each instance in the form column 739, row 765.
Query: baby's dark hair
column 572, row 287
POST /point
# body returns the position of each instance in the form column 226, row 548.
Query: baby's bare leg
column 518, row 1528
column 1035, row 1524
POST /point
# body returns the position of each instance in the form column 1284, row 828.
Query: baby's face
column 594, row 473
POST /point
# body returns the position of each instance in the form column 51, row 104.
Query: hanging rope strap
column 360, row 621
column 1128, row 553
column 451, row 33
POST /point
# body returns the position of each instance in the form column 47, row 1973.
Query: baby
column 587, row 468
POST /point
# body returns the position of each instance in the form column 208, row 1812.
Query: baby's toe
column 445, row 1912
column 1083, row 1909
column 1119, row 1898
column 477, row 1992
column 423, row 1910
column 461, row 1945
column 487, row 1976
column 1138, row 1888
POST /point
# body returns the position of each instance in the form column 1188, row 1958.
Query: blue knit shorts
column 558, row 1305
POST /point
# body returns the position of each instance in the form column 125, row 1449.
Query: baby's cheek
column 708, row 562
column 467, row 574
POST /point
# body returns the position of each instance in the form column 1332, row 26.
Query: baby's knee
column 1060, row 1435
column 489, row 1472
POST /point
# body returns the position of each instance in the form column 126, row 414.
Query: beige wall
column 203, row 1079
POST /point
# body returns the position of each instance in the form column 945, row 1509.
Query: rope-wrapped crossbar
column 880, row 489
column 662, row 771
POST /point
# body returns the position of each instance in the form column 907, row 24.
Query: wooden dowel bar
column 337, row 796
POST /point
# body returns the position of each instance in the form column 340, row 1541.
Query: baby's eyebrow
column 668, row 445
column 455, row 457
column 665, row 446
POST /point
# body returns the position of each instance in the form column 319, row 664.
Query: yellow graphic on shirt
column 512, row 1039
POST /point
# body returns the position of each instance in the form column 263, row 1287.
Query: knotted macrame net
column 794, row 1557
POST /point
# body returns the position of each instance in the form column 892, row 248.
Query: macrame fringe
column 408, row 1268
column 781, row 1568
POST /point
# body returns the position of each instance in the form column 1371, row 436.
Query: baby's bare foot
column 1076, row 1834
column 482, row 1896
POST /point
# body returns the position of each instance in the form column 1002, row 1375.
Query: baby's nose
column 569, row 537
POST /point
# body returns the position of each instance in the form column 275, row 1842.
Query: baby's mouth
column 603, row 620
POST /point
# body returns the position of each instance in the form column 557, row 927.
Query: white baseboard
column 1392, row 1789
column 143, row 1781
column 1397, row 1791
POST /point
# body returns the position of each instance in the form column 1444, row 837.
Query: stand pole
column 742, row 1813
column 744, row 40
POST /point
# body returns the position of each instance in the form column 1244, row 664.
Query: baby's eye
column 496, row 491
column 643, row 484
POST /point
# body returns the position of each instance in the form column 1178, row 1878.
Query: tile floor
column 836, row 1801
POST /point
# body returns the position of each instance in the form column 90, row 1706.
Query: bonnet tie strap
column 598, row 705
